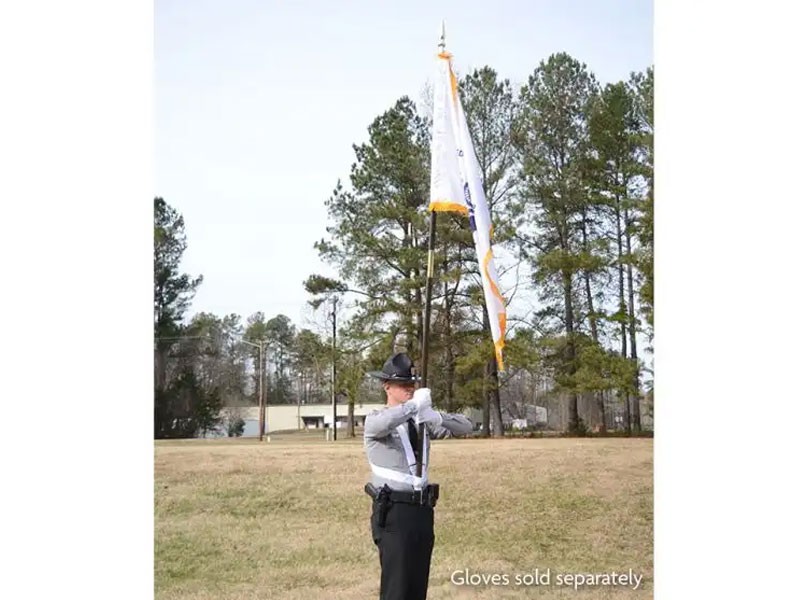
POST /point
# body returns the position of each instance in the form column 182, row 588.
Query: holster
column 433, row 493
column 382, row 497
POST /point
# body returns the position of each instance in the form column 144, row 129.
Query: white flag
column 456, row 186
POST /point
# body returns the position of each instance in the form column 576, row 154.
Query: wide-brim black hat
column 398, row 368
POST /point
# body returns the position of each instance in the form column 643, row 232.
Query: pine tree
column 554, row 143
column 377, row 239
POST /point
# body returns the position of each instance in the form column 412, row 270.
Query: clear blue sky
column 258, row 103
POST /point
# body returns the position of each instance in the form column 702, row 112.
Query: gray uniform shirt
column 383, row 445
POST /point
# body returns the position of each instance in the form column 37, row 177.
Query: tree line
column 567, row 166
column 208, row 361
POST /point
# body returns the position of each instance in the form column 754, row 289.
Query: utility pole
column 262, row 398
column 261, row 415
column 333, row 368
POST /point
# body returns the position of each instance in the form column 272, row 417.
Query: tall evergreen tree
column 280, row 334
column 172, row 295
column 378, row 234
column 554, row 142
column 641, row 86
column 612, row 128
column 311, row 365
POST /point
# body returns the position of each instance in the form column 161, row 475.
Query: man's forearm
column 452, row 424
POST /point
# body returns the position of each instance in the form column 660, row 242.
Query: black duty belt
column 425, row 497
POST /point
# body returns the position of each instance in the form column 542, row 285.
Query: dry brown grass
column 289, row 519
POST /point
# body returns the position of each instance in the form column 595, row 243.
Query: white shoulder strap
column 410, row 478
column 416, row 482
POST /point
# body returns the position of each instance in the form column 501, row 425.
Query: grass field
column 239, row 519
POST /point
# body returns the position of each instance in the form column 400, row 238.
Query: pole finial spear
column 441, row 37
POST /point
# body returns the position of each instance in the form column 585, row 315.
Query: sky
column 258, row 104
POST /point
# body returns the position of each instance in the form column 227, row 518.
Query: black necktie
column 412, row 434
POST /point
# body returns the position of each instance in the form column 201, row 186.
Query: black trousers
column 405, row 546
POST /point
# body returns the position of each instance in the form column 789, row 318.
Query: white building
column 287, row 417
column 293, row 417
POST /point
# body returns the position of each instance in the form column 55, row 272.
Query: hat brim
column 384, row 377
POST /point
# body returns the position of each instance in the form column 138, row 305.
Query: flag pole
column 426, row 330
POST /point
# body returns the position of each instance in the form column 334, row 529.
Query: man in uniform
column 402, row 507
